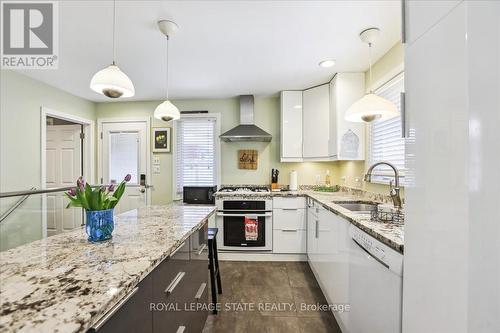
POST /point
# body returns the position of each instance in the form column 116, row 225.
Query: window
column 385, row 141
column 196, row 152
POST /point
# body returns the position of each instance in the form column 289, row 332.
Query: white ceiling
column 223, row 48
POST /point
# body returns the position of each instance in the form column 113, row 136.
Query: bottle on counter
column 328, row 178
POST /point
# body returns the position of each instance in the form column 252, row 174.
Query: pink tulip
column 111, row 187
column 128, row 177
column 72, row 192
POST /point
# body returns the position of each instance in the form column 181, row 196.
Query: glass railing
column 28, row 216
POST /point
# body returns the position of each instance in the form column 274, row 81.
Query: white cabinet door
column 421, row 15
column 338, row 259
column 291, row 126
column 316, row 117
column 312, row 235
column 289, row 241
column 289, row 234
column 347, row 139
column 288, row 219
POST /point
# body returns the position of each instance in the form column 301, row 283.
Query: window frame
column 217, row 116
column 377, row 174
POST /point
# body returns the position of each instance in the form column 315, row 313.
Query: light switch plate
column 156, row 160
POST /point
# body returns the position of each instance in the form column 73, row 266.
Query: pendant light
column 111, row 81
column 370, row 107
column 167, row 111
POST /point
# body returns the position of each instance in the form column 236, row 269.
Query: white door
column 63, row 166
column 124, row 147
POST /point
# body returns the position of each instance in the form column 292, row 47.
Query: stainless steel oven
column 233, row 218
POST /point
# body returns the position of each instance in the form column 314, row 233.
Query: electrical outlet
column 156, row 169
column 156, row 160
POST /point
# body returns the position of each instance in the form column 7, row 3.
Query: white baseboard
column 252, row 256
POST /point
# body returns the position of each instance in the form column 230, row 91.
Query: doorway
column 124, row 147
column 66, row 154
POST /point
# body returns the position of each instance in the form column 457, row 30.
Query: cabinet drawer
column 289, row 203
column 289, row 219
column 131, row 314
column 289, row 241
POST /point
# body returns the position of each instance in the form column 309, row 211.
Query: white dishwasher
column 375, row 285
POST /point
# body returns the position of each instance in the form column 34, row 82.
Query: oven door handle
column 243, row 215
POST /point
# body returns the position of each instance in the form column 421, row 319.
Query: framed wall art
column 161, row 140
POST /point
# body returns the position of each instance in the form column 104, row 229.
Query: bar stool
column 213, row 266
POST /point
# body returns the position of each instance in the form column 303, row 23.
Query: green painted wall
column 20, row 101
column 267, row 116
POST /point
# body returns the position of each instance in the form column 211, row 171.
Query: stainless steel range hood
column 247, row 130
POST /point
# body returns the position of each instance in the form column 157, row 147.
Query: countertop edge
column 128, row 289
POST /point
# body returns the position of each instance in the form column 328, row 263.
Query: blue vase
column 99, row 225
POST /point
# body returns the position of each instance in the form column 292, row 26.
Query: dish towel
column 251, row 228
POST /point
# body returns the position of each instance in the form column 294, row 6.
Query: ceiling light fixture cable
column 111, row 81
column 114, row 27
column 167, row 111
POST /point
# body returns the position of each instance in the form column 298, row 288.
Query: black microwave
column 199, row 194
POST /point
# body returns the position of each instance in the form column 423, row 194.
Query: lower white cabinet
column 328, row 255
column 289, row 225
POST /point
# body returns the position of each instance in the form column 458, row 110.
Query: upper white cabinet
column 421, row 15
column 347, row 139
column 291, row 126
column 318, row 131
column 315, row 117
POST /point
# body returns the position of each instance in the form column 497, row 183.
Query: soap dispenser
column 327, row 178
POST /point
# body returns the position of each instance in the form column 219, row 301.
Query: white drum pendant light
column 167, row 111
column 370, row 107
column 111, row 81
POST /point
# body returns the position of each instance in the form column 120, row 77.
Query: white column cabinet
column 291, row 126
column 421, row 15
column 316, row 117
column 452, row 253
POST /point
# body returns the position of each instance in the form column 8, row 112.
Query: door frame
column 147, row 120
column 88, row 152
column 88, row 142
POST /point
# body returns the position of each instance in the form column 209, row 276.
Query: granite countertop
column 64, row 283
column 391, row 234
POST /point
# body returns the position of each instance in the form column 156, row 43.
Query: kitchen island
column 64, row 283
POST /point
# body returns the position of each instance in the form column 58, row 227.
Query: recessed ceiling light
column 327, row 63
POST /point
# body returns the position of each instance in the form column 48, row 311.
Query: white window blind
column 195, row 152
column 386, row 143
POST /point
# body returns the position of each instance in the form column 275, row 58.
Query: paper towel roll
column 293, row 180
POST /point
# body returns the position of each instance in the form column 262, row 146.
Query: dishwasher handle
column 370, row 254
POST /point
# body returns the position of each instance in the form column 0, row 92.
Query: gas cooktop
column 262, row 189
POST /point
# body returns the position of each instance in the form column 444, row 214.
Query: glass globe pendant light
column 370, row 107
column 167, row 111
column 111, row 81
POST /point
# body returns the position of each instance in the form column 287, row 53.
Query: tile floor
column 286, row 285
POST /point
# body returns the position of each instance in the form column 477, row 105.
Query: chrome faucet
column 394, row 190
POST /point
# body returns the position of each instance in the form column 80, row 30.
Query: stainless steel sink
column 358, row 207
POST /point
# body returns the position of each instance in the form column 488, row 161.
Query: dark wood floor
column 277, row 291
